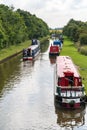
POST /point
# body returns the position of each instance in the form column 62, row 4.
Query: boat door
column 69, row 78
column 29, row 52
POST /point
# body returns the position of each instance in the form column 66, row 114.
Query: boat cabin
column 54, row 49
column 67, row 73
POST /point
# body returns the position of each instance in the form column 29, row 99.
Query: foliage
column 19, row 26
column 83, row 50
column 36, row 27
column 75, row 29
column 83, row 39
column 77, row 32
column 55, row 32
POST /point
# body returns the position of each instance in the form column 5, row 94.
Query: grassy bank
column 7, row 52
column 79, row 59
column 4, row 53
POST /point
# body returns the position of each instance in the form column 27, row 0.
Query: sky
column 56, row 13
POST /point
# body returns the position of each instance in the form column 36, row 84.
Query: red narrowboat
column 54, row 50
column 69, row 90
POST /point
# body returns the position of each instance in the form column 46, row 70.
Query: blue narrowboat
column 57, row 42
column 31, row 52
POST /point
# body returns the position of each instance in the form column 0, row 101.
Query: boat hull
column 27, row 58
column 54, row 54
column 69, row 103
column 30, row 58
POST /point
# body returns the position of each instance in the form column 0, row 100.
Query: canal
column 27, row 100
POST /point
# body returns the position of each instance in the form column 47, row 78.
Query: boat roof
column 33, row 47
column 57, row 41
column 66, row 65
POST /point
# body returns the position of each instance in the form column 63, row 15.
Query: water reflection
column 11, row 74
column 52, row 59
column 44, row 46
column 7, row 72
column 70, row 119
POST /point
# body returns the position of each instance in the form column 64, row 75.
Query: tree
column 74, row 29
column 18, row 26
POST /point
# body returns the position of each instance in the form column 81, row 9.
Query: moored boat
column 31, row 52
column 69, row 91
column 58, row 42
column 54, row 50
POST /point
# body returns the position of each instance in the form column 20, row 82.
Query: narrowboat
column 31, row 52
column 54, row 50
column 58, row 42
column 69, row 91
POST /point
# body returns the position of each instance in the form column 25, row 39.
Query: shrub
column 83, row 39
column 83, row 50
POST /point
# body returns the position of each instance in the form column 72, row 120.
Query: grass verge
column 4, row 53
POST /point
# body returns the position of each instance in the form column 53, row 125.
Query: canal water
column 27, row 100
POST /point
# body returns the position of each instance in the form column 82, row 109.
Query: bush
column 83, row 39
column 83, row 50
